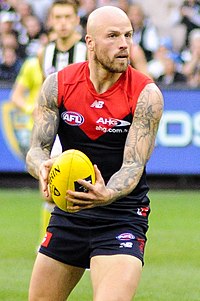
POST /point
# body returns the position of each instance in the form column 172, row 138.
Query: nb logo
column 98, row 104
column 126, row 245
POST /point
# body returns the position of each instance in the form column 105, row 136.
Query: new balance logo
column 98, row 104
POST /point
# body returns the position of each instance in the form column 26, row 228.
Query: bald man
column 116, row 112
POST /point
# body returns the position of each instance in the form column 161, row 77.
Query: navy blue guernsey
column 98, row 124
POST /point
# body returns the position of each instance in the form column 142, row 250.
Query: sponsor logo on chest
column 102, row 124
column 98, row 104
column 112, row 122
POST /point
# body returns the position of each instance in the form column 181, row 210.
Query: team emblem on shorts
column 125, row 236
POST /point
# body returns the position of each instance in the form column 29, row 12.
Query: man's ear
column 89, row 42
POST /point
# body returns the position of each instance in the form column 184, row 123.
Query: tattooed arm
column 140, row 142
column 138, row 148
column 45, row 126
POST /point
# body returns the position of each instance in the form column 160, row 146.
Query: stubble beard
column 112, row 66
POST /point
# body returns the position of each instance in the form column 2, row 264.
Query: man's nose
column 123, row 42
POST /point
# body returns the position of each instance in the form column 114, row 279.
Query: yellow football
column 69, row 167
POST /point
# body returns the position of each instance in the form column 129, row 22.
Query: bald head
column 105, row 16
column 109, row 40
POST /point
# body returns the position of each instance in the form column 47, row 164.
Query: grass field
column 172, row 260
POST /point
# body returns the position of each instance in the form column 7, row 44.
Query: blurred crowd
column 25, row 27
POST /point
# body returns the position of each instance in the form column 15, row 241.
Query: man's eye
column 112, row 35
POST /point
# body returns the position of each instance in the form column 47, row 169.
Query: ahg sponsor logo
column 112, row 122
column 112, row 125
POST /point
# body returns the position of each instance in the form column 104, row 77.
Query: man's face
column 64, row 20
column 112, row 47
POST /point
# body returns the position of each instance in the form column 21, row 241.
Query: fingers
column 98, row 175
column 77, row 201
column 86, row 185
column 44, row 188
column 97, row 194
column 75, row 205
column 81, row 198
column 43, row 176
column 74, row 209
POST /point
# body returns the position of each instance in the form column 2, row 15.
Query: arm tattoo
column 45, row 125
column 140, row 142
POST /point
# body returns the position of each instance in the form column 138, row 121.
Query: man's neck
column 102, row 80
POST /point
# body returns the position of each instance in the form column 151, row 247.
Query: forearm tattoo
column 45, row 126
column 140, row 142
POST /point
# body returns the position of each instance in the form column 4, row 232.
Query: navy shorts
column 74, row 240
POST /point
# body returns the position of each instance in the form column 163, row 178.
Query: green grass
column 172, row 259
column 172, row 269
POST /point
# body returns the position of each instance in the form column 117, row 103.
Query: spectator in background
column 7, row 22
column 138, row 59
column 156, row 67
column 9, row 40
column 190, row 13
column 33, row 36
column 23, row 10
column 145, row 33
column 10, row 65
column 40, row 8
column 68, row 46
column 191, row 68
column 171, row 75
column 85, row 8
column 4, row 5
column 124, row 5
column 10, row 4
column 26, row 29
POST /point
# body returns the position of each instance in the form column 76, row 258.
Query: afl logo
column 72, row 118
